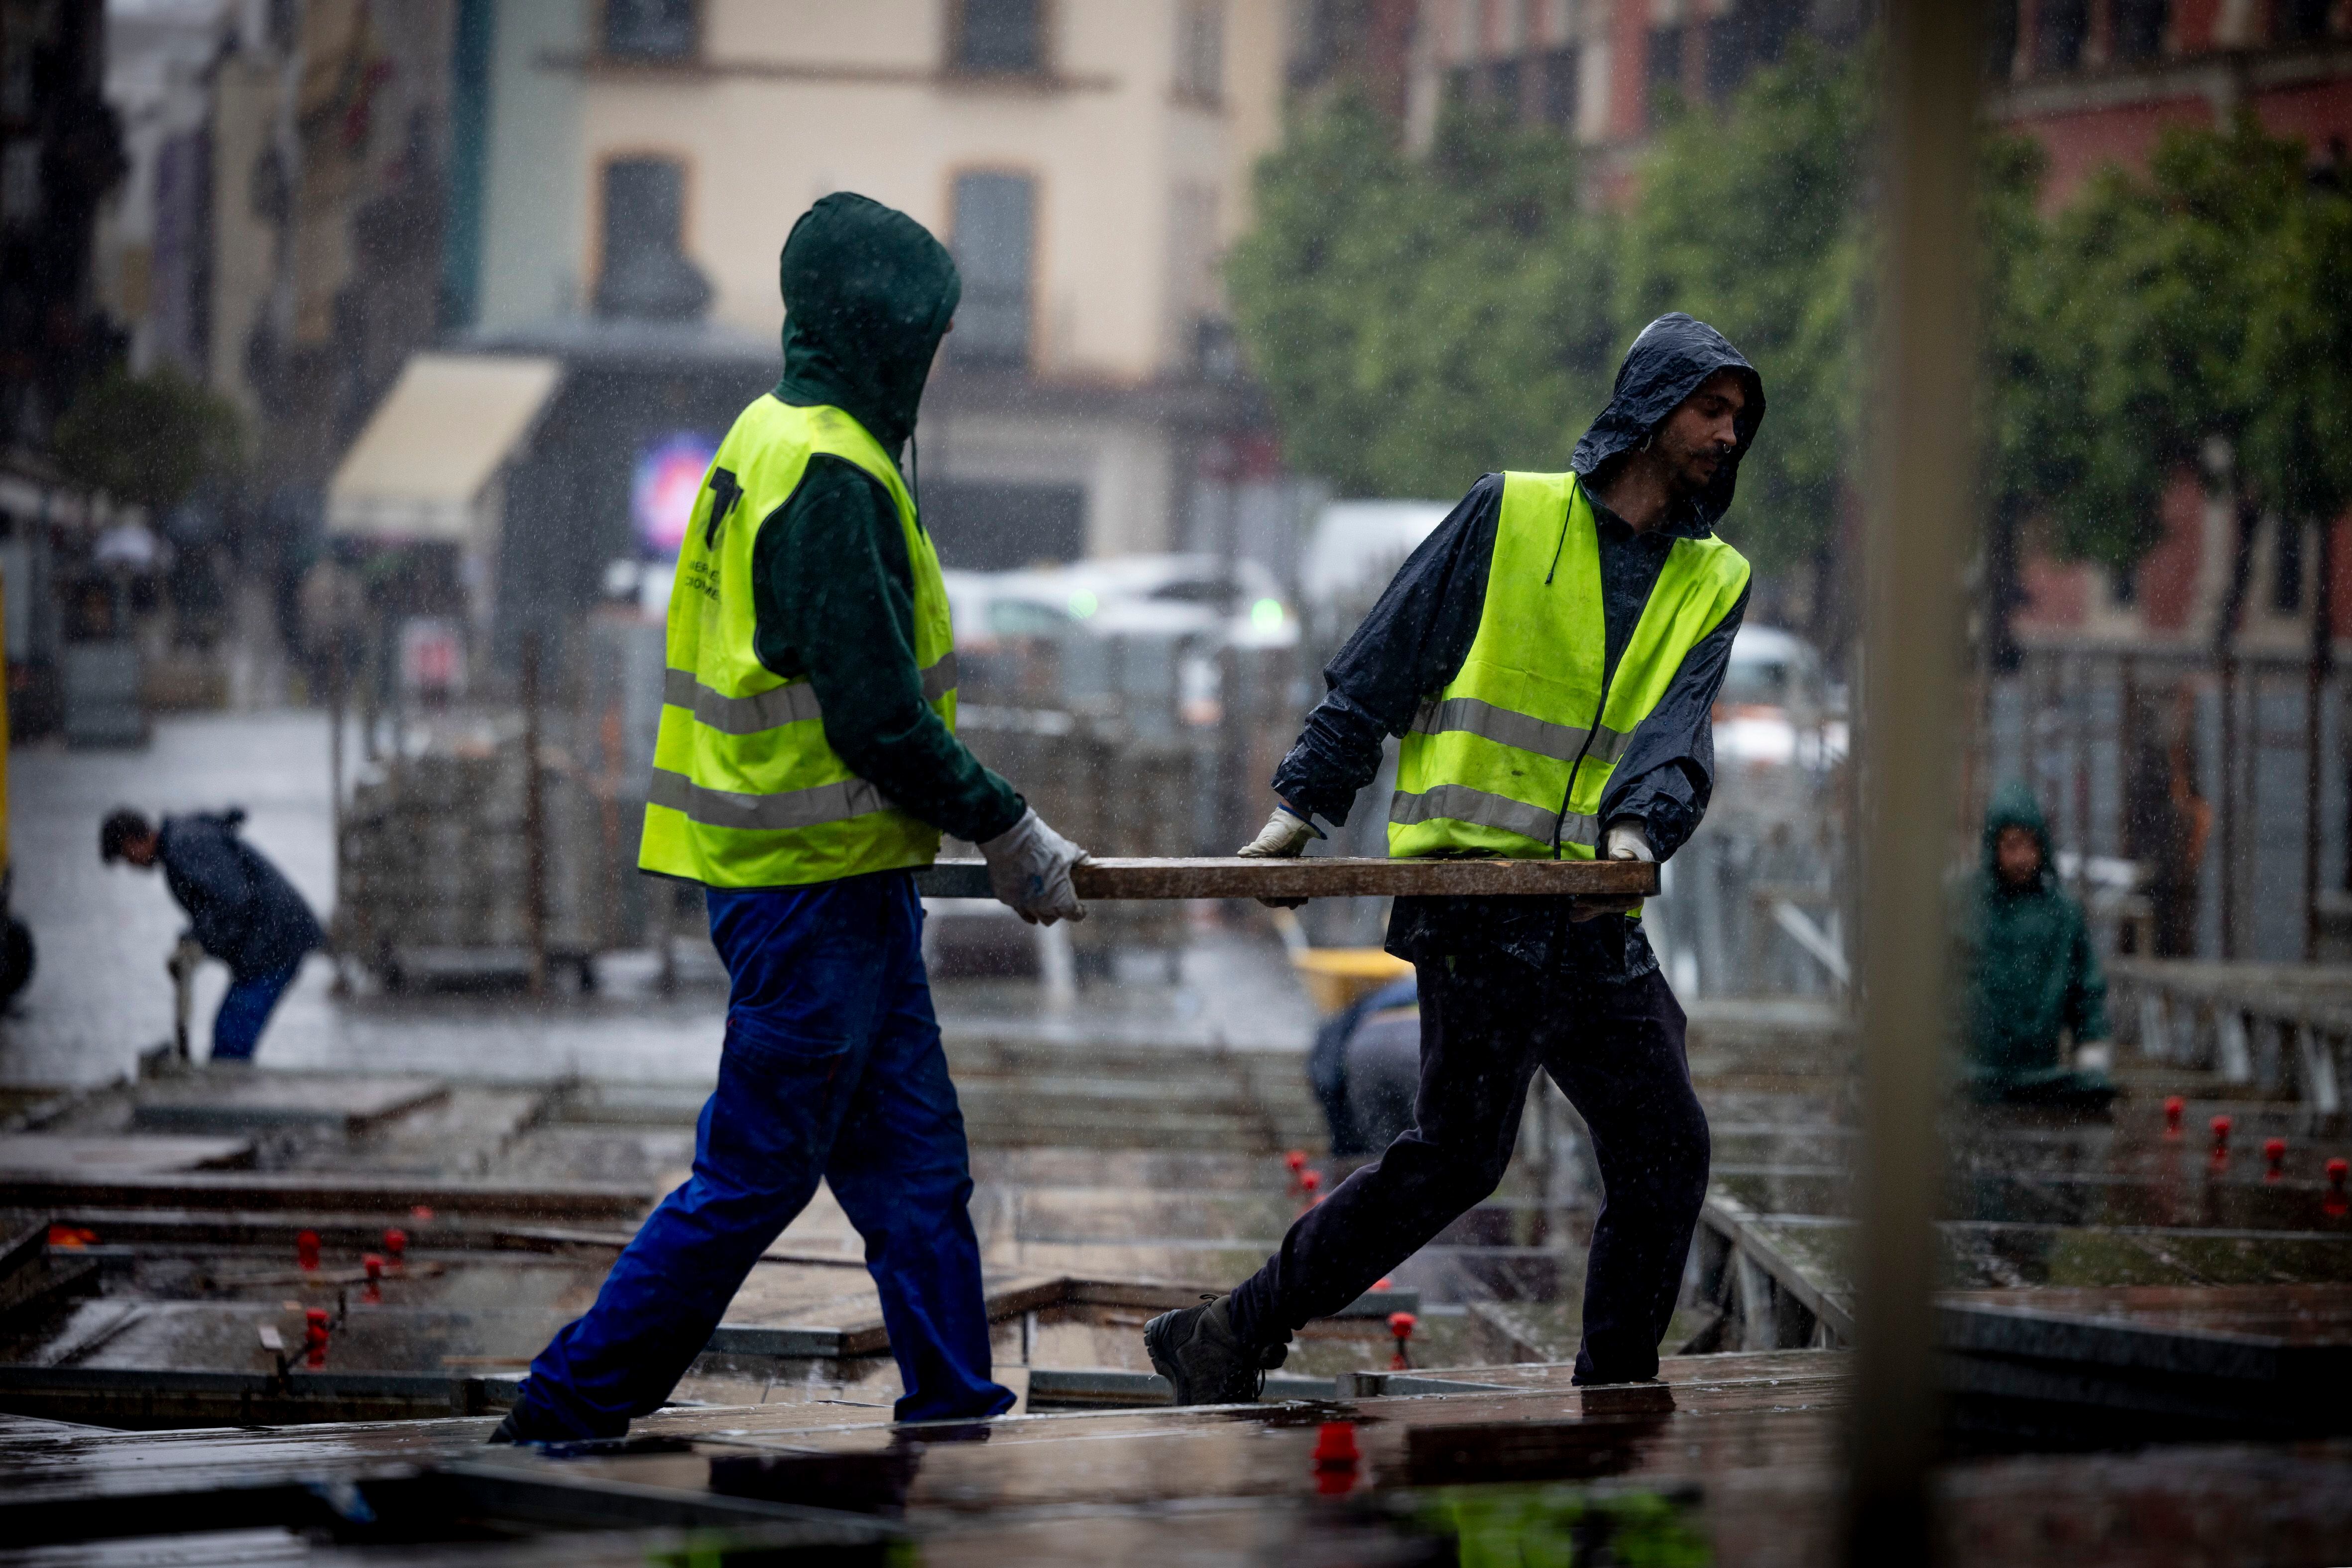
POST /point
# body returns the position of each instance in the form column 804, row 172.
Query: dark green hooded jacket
column 2032, row 970
column 867, row 295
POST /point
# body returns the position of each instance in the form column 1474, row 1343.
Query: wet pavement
column 99, row 995
column 1128, row 1154
column 1741, row 1469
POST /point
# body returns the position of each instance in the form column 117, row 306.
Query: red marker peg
column 1401, row 1325
column 422, row 1214
column 1335, row 1458
column 395, row 1245
column 2274, row 1158
column 71, row 1236
column 2173, row 1107
column 1335, row 1446
column 1383, row 1283
column 314, row 1336
column 374, row 1263
column 306, row 1249
column 1294, row 1162
column 2336, row 1204
column 1310, row 1184
column 2220, row 1126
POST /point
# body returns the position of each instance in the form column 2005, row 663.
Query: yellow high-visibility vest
column 746, row 791
column 1513, row 757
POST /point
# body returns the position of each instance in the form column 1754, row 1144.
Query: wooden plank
column 214, row 1103
column 120, row 1154
column 328, row 1193
column 1320, row 876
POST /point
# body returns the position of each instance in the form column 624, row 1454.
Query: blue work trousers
column 236, row 1027
column 831, row 1068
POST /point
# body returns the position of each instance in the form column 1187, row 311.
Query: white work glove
column 1284, row 837
column 1624, row 841
column 1285, row 834
column 1029, row 869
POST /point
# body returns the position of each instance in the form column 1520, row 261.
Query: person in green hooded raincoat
column 806, row 765
column 2032, row 974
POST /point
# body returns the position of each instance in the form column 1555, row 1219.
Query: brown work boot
column 1196, row 1350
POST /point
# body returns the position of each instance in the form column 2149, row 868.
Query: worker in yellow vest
column 807, row 763
column 1549, row 657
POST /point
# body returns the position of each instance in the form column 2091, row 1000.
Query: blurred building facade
column 641, row 162
column 60, row 154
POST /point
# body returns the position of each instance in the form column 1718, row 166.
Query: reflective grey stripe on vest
column 772, row 710
column 1463, row 804
column 836, row 802
column 1505, row 727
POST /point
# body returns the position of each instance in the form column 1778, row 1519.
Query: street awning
column 420, row 469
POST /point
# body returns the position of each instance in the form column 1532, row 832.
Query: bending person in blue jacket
column 241, row 910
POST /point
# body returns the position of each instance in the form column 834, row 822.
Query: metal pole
column 1919, row 514
column 2315, row 686
column 336, row 648
column 2130, row 839
column 2084, row 687
column 534, row 818
column 2226, row 883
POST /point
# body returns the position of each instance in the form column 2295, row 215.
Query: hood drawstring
column 1566, row 513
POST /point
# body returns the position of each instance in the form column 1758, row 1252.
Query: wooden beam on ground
column 326, row 1192
column 1320, row 876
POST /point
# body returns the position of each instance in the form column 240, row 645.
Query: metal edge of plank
column 1106, row 1387
column 1412, row 1386
column 1318, row 877
column 531, row 1491
column 2119, row 1344
column 1738, row 1225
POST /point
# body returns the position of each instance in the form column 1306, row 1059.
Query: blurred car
column 1777, row 708
column 1180, row 595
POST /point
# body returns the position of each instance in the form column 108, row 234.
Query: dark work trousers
column 1615, row 1049
column 236, row 1027
column 831, row 1068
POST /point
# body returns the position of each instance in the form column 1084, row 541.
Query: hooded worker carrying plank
column 1549, row 656
column 806, row 765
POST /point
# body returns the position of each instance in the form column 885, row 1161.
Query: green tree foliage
column 1750, row 221
column 150, row 440
column 2296, row 370
column 1419, row 322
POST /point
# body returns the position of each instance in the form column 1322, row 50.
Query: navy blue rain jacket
column 241, row 909
column 1412, row 644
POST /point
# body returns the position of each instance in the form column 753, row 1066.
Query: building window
column 1560, row 87
column 998, row 37
column 1192, row 298
column 2060, row 27
column 644, row 272
column 1503, row 81
column 1200, row 51
column 995, row 227
column 1748, row 34
column 2000, row 39
column 2123, row 586
column 2140, row 29
column 649, row 29
column 2300, row 21
column 985, row 526
column 1666, row 70
column 2286, row 570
